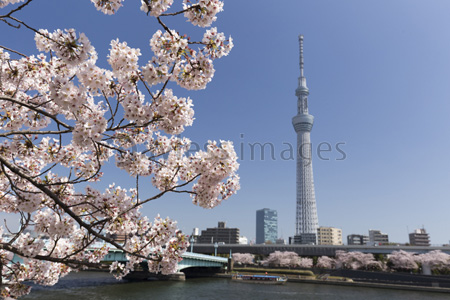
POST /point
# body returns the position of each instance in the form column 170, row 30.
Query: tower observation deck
column 306, row 213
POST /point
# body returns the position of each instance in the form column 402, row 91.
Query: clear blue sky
column 378, row 74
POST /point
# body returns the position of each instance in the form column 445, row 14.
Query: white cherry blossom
column 155, row 7
column 108, row 7
column 202, row 12
column 66, row 120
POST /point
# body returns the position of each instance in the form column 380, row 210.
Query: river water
column 102, row 286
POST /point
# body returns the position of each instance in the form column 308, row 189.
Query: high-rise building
column 219, row 234
column 329, row 236
column 266, row 226
column 306, row 213
column 419, row 238
column 376, row 237
column 357, row 239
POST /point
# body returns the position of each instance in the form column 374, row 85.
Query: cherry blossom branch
column 133, row 125
column 43, row 112
column 165, row 83
column 21, row 229
column 54, row 197
column 66, row 209
column 164, row 26
column 195, row 6
column 69, row 262
column 173, row 189
column 34, row 132
column 13, row 51
column 16, row 9
column 30, row 28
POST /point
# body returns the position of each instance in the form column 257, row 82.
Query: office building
column 219, row 234
column 376, row 237
column 419, row 238
column 266, row 226
column 357, row 239
column 329, row 236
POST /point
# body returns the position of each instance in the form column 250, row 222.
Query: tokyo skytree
column 306, row 214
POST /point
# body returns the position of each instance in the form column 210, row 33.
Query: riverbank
column 373, row 285
column 358, row 284
column 381, row 280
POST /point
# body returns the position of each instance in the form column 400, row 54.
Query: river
column 102, row 286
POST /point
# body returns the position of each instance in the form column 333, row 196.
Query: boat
column 263, row 279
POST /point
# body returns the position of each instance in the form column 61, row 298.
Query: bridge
column 190, row 260
column 197, row 260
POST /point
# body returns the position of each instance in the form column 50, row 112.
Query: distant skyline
column 378, row 74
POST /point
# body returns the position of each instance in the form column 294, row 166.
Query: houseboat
column 263, row 279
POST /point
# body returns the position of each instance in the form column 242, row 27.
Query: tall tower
column 306, row 219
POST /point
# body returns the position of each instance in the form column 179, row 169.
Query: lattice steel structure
column 306, row 219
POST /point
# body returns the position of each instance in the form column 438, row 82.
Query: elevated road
column 311, row 250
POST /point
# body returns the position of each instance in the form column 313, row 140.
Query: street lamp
column 192, row 243
column 216, row 245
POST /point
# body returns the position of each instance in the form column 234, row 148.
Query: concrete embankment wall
column 391, row 278
column 361, row 284
column 374, row 285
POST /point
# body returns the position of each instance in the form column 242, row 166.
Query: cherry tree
column 282, row 259
column 306, row 263
column 433, row 260
column 243, row 258
column 402, row 260
column 357, row 260
column 65, row 121
column 326, row 262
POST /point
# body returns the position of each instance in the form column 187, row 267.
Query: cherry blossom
column 203, row 13
column 282, row 259
column 194, row 74
column 433, row 260
column 356, row 260
column 215, row 43
column 108, row 7
column 3, row 3
column 72, row 49
column 326, row 262
column 402, row 260
column 65, row 120
column 306, row 263
column 243, row 258
column 155, row 7
column 175, row 113
column 168, row 46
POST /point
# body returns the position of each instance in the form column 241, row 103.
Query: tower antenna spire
column 300, row 41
